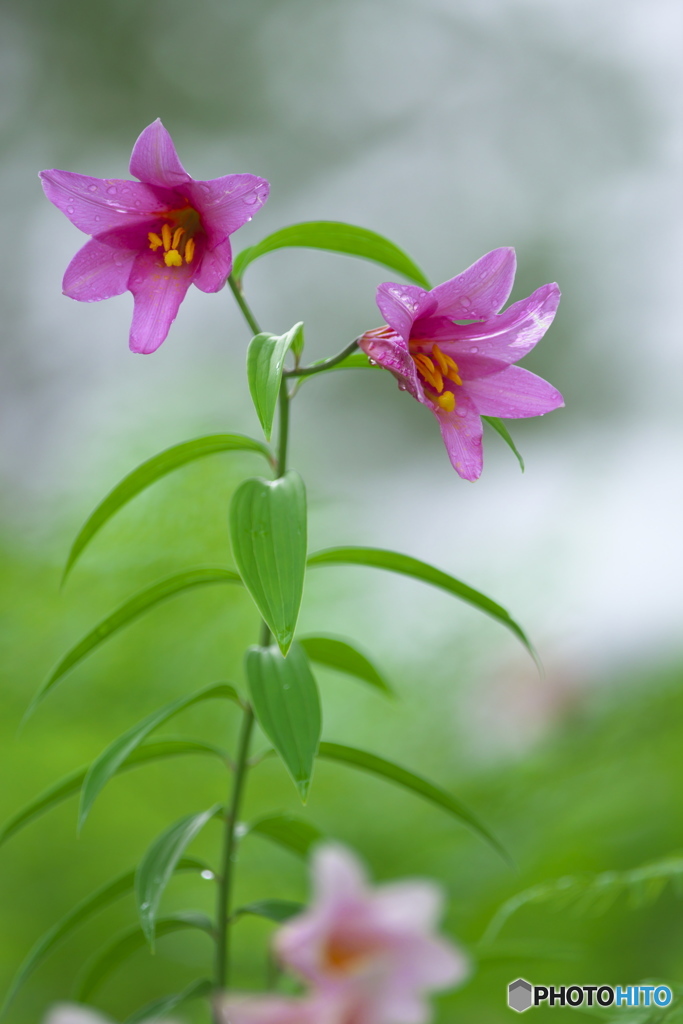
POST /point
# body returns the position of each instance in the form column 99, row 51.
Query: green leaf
column 287, row 706
column 265, row 363
column 152, row 470
column 336, row 653
column 86, row 909
column 132, row 609
column 334, row 236
column 102, row 964
column 501, row 429
column 393, row 561
column 273, row 910
column 159, row 863
column 408, row 780
column 110, row 760
column 268, row 533
column 158, row 1007
column 71, row 784
column 292, row 833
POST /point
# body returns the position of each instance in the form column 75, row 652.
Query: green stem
column 244, row 305
column 325, row 364
column 283, row 437
column 229, row 848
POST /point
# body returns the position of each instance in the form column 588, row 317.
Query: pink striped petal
column 513, row 394
column 154, row 159
column 480, row 290
column 158, row 291
column 509, row 335
column 226, row 204
column 461, row 431
column 98, row 271
column 213, row 267
column 390, row 351
column 98, row 204
column 402, row 304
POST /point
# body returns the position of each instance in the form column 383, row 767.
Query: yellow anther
column 429, row 371
column 154, row 241
column 177, row 235
column 440, row 358
column 189, row 250
column 173, row 258
column 446, row 401
column 166, row 236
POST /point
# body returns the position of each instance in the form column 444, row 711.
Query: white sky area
column 491, row 122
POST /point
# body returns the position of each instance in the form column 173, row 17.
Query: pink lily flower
column 452, row 349
column 371, row 952
column 154, row 237
column 320, row 1009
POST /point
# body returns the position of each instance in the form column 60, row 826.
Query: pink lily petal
column 71, row 1013
column 154, row 159
column 389, row 350
column 480, row 290
column 513, row 394
column 277, row 1010
column 98, row 271
column 214, row 267
column 226, row 204
column 97, row 204
column 158, row 291
column 402, row 304
column 510, row 335
column 462, row 431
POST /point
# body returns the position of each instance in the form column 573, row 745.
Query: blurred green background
column 452, row 127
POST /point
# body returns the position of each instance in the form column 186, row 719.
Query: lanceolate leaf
column 335, row 236
column 159, row 863
column 336, row 653
column 378, row 558
column 150, row 471
column 128, row 612
column 268, row 533
column 273, row 910
column 287, row 706
column 408, row 780
column 102, row 965
column 159, row 1007
column 265, row 362
column 71, row 784
column 110, row 760
column 104, row 897
column 500, row 428
column 292, row 833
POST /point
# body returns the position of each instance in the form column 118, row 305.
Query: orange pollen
column 343, row 953
column 176, row 236
column 435, row 369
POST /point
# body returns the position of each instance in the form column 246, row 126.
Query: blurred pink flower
column 373, row 950
column 71, row 1013
column 154, row 237
column 282, row 1010
column 462, row 370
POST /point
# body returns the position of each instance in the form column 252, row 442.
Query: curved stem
column 229, row 847
column 325, row 364
column 244, row 305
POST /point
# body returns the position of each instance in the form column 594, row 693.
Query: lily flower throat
column 176, row 236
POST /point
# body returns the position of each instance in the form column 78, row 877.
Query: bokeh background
column 453, row 127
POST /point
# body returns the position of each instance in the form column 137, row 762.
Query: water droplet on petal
column 460, row 411
column 69, row 209
column 373, row 362
column 474, row 349
column 138, row 203
column 250, row 199
column 98, row 218
column 112, row 190
column 208, row 875
column 92, row 188
column 465, row 302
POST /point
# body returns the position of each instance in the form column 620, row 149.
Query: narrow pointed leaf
column 338, row 654
column 265, row 363
column 108, row 763
column 87, row 908
column 151, row 471
column 393, row 561
column 292, row 833
column 286, row 703
column 128, row 612
column 335, row 236
column 102, row 965
column 268, row 534
column 73, row 783
column 159, row 1007
column 159, row 863
column 273, row 910
column 367, row 762
column 500, row 428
